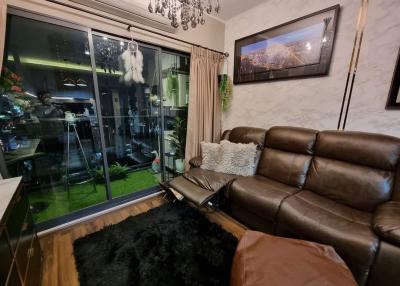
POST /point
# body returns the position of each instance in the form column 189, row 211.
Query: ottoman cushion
column 263, row 259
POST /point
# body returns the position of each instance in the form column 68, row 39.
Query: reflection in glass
column 175, row 84
column 130, row 108
column 48, row 123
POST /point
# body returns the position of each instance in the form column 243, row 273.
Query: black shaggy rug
column 170, row 245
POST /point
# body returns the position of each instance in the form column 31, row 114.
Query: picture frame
column 393, row 101
column 298, row 48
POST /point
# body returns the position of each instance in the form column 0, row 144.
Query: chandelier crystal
column 188, row 12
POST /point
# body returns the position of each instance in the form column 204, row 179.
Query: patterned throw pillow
column 231, row 158
column 211, row 154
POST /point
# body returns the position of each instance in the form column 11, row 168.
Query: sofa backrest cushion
column 354, row 185
column 354, row 168
column 225, row 135
column 368, row 149
column 287, row 155
column 248, row 135
column 292, row 139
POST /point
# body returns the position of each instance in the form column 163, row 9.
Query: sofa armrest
column 195, row 162
column 386, row 221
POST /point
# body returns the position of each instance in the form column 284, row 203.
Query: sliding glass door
column 82, row 116
column 128, row 82
column 48, row 119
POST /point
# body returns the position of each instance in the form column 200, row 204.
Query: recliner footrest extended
column 192, row 192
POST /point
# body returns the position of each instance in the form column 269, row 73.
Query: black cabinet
column 34, row 277
column 20, row 253
column 14, row 279
column 6, row 258
column 25, row 242
column 16, row 218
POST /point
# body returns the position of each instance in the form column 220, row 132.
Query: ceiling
column 229, row 8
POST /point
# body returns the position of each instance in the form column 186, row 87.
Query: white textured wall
column 376, row 67
column 315, row 102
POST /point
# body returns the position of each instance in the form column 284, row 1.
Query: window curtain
column 204, row 115
column 3, row 18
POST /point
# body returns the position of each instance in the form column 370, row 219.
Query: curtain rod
column 225, row 54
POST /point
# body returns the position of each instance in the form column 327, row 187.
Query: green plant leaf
column 225, row 92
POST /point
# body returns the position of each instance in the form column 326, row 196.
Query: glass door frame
column 99, row 116
column 110, row 202
column 158, row 51
column 178, row 54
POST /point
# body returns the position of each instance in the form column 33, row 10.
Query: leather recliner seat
column 339, row 188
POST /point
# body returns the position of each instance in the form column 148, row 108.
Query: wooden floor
column 59, row 262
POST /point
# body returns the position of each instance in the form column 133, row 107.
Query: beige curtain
column 204, row 116
column 3, row 18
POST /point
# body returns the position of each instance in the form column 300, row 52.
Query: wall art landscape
column 299, row 48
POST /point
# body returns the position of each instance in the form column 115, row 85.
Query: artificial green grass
column 84, row 195
column 136, row 181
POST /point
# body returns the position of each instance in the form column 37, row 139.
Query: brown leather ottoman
column 262, row 260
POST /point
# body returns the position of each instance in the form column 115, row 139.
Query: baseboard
column 92, row 216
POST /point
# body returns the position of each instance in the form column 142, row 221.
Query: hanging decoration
column 189, row 11
column 225, row 88
column 131, row 63
column 225, row 91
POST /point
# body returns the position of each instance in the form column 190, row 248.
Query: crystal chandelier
column 191, row 12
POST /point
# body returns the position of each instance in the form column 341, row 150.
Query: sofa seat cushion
column 313, row 217
column 386, row 221
column 260, row 195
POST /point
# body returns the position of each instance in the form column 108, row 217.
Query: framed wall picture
column 299, row 48
column 393, row 101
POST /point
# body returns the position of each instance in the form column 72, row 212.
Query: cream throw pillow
column 231, row 158
column 211, row 154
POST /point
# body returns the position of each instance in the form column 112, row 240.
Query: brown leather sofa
column 339, row 188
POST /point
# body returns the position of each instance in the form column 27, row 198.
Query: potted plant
column 178, row 141
column 14, row 105
column 116, row 172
